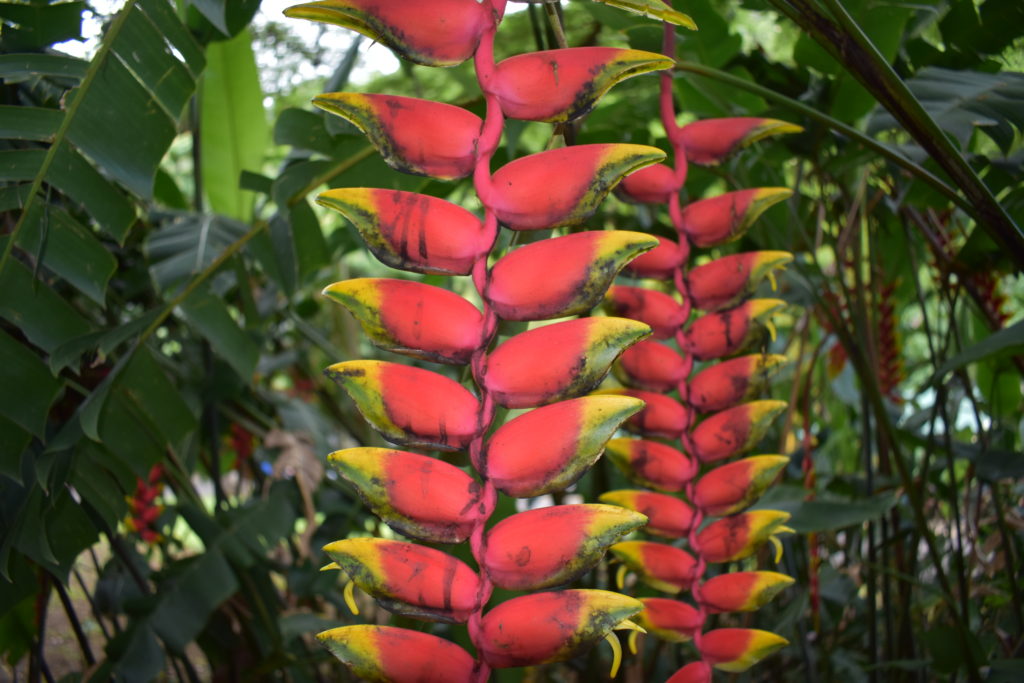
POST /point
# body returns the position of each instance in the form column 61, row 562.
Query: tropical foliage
column 167, row 497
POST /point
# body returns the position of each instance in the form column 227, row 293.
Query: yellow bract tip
column 613, row 640
column 771, row 280
column 777, row 544
column 350, row 597
column 632, row 640
column 330, row 567
column 620, row 576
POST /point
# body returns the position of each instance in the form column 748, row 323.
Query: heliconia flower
column 412, row 318
column 387, row 653
column 553, row 545
column 662, row 416
column 412, row 231
column 717, row 335
column 549, row 448
column 728, row 280
column 734, row 538
column 694, row 672
column 418, row 496
column 737, row 649
column 742, row 591
column 725, row 384
column 651, row 366
column 438, row 33
column 667, row 516
column 659, row 263
column 416, row 136
column 558, row 361
column 651, row 463
column 717, row 220
column 409, row 579
column 735, row 430
column 654, row 184
column 659, row 310
column 671, row 620
column 563, row 276
column 733, row 487
column 562, row 186
column 654, row 8
column 710, row 141
column 410, row 406
column 561, row 85
column 662, row 567
column 552, row 627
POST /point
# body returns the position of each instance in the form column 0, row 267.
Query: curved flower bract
column 737, row 649
column 655, row 184
column 419, row 496
column 561, row 276
column 563, row 186
column 439, row 33
column 735, row 430
column 415, row 136
column 730, row 488
column 651, row 463
column 721, row 219
column 410, row 231
column 661, row 415
column 557, row 361
column 718, row 335
column 549, row 448
column 651, row 366
column 734, row 538
column 709, row 141
column 667, row 516
column 742, row 591
column 662, row 567
column 663, row 313
column 412, row 318
column 409, row 579
column 562, row 85
column 694, row 672
column 551, row 627
column 398, row 655
column 409, row 406
column 553, row 545
column 727, row 281
column 659, row 263
column 730, row 382
column 671, row 620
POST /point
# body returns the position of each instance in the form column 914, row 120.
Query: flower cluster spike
column 549, row 369
column 718, row 415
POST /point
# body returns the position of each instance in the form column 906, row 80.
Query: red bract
column 717, row 220
column 737, row 649
column 655, row 184
column 659, row 263
column 651, row 463
column 734, row 538
column 663, row 313
column 662, row 567
column 549, row 448
column 561, row 276
column 410, row 406
column 725, row 384
column 551, row 627
column 558, row 361
column 718, row 335
column 694, row 672
column 413, row 231
column 651, row 366
column 555, row 545
column 666, row 515
column 727, row 281
column 412, row 318
column 561, row 85
column 742, row 591
column 730, row 488
column 660, row 417
column 412, row 135
column 418, row 496
column 670, row 620
column 409, row 579
column 709, row 141
column 734, row 431
column 438, row 33
column 563, row 186
column 386, row 653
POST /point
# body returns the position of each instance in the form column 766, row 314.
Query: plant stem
column 76, row 625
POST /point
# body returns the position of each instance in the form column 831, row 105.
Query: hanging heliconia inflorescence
column 714, row 419
column 549, row 369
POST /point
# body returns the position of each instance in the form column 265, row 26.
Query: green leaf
column 19, row 67
column 229, row 17
column 233, row 125
column 816, row 516
column 655, row 9
column 103, row 341
column 13, row 441
column 187, row 244
column 209, row 314
column 70, row 251
column 36, row 25
column 45, row 318
column 29, row 405
column 1008, row 341
column 29, row 123
column 195, row 589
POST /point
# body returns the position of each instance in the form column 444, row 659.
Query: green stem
column 829, row 122
column 335, row 170
column 58, row 139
